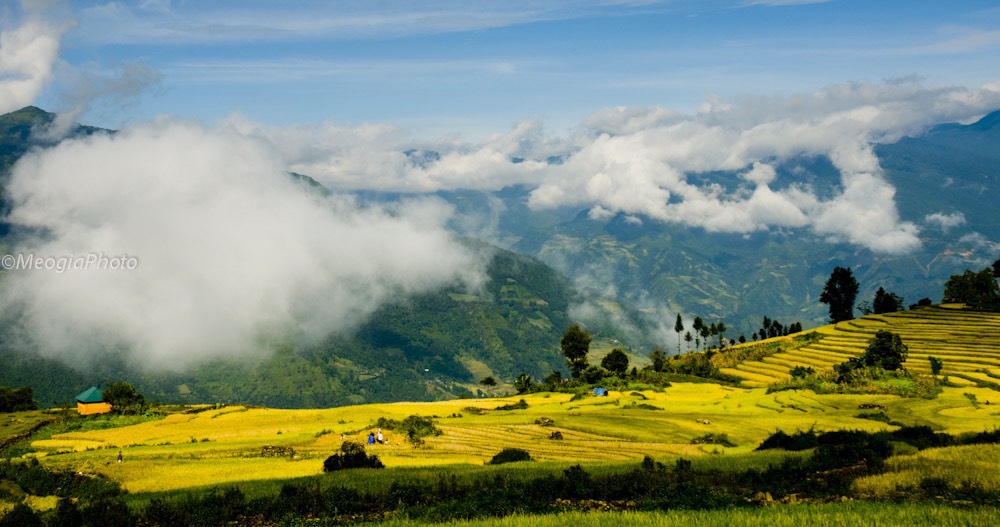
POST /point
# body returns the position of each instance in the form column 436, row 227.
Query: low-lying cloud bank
column 637, row 161
column 229, row 249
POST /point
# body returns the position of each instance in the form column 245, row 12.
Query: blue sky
column 473, row 68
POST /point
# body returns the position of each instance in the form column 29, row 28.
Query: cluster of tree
column 978, row 290
column 885, row 351
column 975, row 289
column 841, row 291
column 703, row 333
column 16, row 399
column 772, row 328
column 575, row 346
column 884, row 302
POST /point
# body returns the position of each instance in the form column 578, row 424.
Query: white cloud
column 230, row 250
column 638, row 161
column 945, row 222
column 28, row 54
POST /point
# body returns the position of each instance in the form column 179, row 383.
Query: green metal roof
column 90, row 395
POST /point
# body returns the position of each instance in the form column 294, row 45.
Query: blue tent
column 602, row 392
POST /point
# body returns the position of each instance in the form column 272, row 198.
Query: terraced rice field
column 966, row 341
column 225, row 445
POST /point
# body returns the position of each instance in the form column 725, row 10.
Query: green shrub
column 713, row 439
column 797, row 441
column 510, row 455
column 802, row 371
column 415, row 427
column 352, row 455
column 21, row 516
column 520, row 405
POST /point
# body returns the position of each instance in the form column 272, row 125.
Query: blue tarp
column 601, row 391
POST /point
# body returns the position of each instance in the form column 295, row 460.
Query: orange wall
column 93, row 408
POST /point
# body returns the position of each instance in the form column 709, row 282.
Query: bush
column 21, row 516
column 415, row 427
column 108, row 513
column 124, row 399
column 799, row 372
column 16, row 399
column 510, row 455
column 352, row 455
column 797, row 441
column 592, row 374
column 713, row 439
column 936, row 365
column 520, row 405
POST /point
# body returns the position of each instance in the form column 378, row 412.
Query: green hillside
column 426, row 347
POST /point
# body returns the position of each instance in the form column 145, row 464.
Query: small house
column 91, row 401
column 601, row 392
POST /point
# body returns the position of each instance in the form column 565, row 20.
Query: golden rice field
column 967, row 342
column 226, row 445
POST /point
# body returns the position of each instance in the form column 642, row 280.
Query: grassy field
column 225, row 445
column 968, row 343
column 824, row 515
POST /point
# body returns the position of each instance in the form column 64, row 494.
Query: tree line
column 976, row 289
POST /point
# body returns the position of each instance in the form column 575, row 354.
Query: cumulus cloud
column 945, row 222
column 230, row 251
column 28, row 54
column 640, row 162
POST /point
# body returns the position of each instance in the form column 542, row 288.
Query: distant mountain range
column 952, row 169
column 627, row 278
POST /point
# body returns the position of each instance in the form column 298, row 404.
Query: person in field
column 371, row 438
column 380, row 438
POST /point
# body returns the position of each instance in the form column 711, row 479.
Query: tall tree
column 575, row 345
column 616, row 362
column 996, row 269
column 886, row 302
column 523, row 383
column 840, row 292
column 678, row 328
column 688, row 338
column 698, row 325
column 659, row 359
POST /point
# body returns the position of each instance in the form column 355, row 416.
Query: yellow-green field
column 967, row 341
column 225, row 445
column 826, row 515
